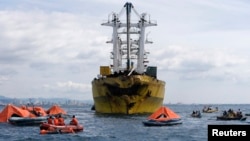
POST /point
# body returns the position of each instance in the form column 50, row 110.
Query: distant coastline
column 72, row 102
column 43, row 101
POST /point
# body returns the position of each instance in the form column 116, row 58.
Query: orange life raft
column 46, row 128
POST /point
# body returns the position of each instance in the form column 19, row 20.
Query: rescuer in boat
column 61, row 120
column 50, row 120
column 73, row 121
column 56, row 120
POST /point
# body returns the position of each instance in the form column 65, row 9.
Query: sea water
column 103, row 127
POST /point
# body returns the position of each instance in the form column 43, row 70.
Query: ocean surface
column 102, row 127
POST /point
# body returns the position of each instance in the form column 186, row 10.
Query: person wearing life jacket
column 50, row 120
column 73, row 121
column 56, row 120
column 61, row 120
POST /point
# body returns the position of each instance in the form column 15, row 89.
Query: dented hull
column 128, row 94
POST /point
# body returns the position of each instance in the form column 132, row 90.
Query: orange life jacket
column 50, row 121
column 55, row 121
column 61, row 121
column 74, row 121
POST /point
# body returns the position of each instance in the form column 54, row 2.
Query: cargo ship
column 128, row 85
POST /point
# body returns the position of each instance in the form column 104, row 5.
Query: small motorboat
column 163, row 117
column 231, row 118
column 196, row 114
column 210, row 109
column 46, row 128
column 247, row 114
column 27, row 121
column 232, row 115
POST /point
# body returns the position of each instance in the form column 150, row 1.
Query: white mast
column 142, row 25
column 115, row 53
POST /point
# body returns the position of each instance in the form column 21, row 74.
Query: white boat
column 27, row 121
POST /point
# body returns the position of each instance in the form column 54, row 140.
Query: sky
column 51, row 48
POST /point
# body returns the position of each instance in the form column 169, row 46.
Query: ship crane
column 128, row 40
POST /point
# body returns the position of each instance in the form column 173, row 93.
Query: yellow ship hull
column 133, row 94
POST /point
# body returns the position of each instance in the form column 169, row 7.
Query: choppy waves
column 101, row 127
